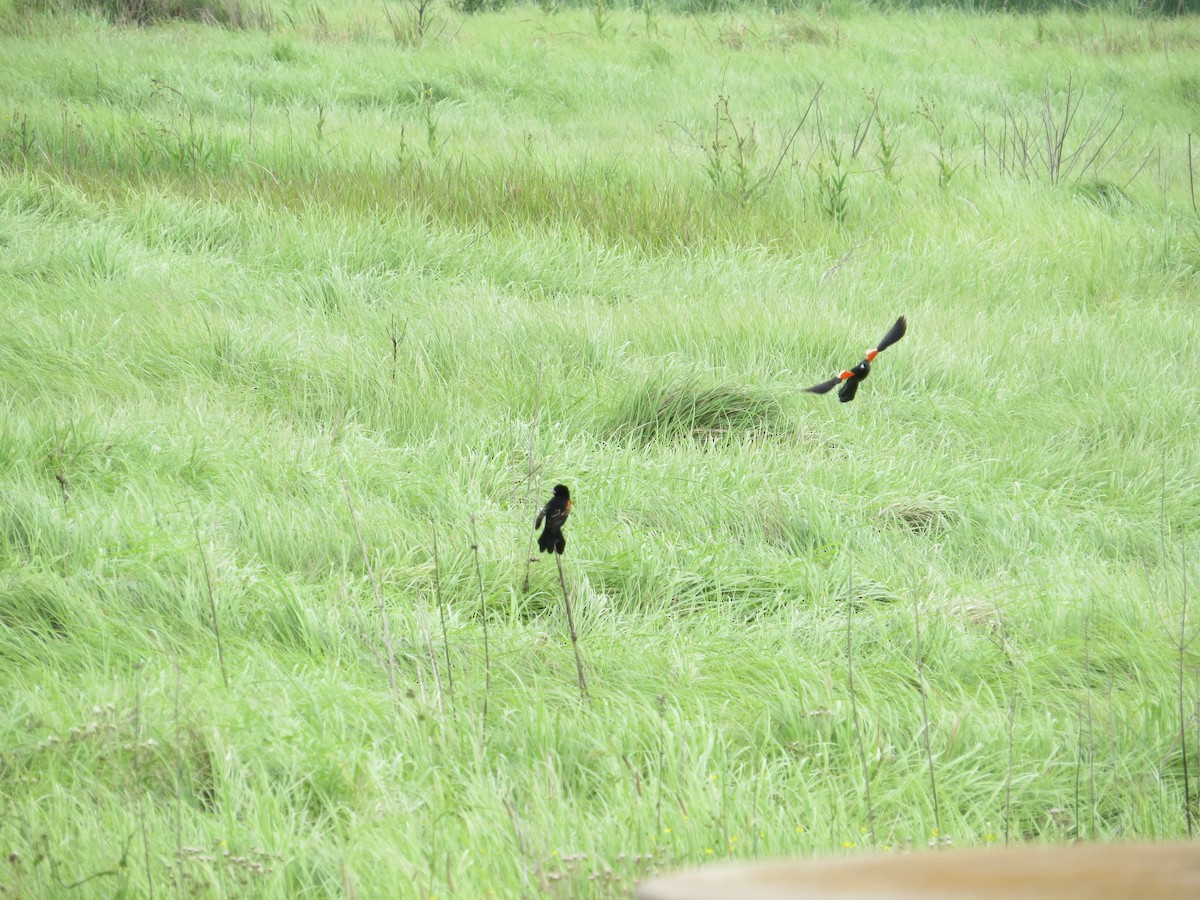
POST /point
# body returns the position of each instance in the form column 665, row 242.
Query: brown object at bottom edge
column 1095, row 871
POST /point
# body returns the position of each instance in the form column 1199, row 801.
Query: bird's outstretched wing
column 894, row 334
column 825, row 386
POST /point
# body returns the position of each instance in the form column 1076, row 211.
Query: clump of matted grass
column 922, row 516
column 666, row 407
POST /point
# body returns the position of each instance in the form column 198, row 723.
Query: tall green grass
column 248, row 273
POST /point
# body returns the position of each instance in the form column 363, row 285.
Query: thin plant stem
column 387, row 628
column 1183, row 642
column 437, row 587
column 212, row 600
column 530, row 487
column 1078, row 768
column 487, row 652
column 178, row 862
column 1087, row 674
column 937, row 816
column 562, row 579
column 1191, row 179
column 137, row 774
column 512, row 817
column 858, row 738
column 437, row 676
column 661, row 703
column 1012, row 714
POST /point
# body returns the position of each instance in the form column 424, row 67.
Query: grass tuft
column 694, row 406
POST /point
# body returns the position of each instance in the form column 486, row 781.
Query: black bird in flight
column 850, row 378
column 555, row 513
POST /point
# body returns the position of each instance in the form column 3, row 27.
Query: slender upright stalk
column 487, row 652
column 1191, row 175
column 387, row 628
column 212, row 601
column 437, row 587
column 529, row 485
column 1012, row 714
column 1087, row 674
column 562, row 579
column 661, row 703
column 1078, row 768
column 178, row 863
column 858, row 739
column 250, row 124
column 137, row 774
column 937, row 816
column 1183, row 642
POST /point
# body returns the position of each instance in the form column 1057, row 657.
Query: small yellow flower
column 849, row 845
column 733, row 840
column 666, row 831
column 799, row 829
column 989, row 838
column 708, row 851
column 862, row 829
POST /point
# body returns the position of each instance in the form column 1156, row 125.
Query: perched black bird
column 555, row 513
column 850, row 378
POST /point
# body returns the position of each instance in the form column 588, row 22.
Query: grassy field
column 280, row 303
